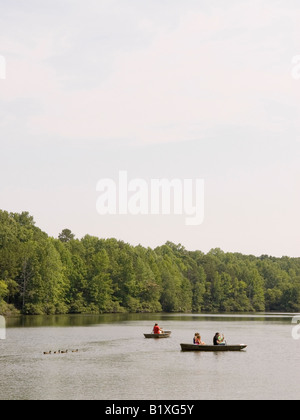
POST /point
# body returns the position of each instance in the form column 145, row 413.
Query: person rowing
column 219, row 340
column 157, row 329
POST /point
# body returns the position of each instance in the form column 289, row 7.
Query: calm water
column 115, row 362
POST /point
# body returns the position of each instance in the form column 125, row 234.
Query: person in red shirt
column 157, row 329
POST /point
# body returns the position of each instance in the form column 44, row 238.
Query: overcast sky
column 161, row 89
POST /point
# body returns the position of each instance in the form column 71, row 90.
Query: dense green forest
column 44, row 275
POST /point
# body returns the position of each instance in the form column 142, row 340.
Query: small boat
column 164, row 334
column 207, row 347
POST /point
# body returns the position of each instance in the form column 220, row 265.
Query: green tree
column 66, row 235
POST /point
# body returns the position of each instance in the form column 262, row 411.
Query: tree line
column 45, row 275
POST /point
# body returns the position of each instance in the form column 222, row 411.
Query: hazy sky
column 184, row 89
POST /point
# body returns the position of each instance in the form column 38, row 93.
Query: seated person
column 157, row 329
column 219, row 340
column 198, row 340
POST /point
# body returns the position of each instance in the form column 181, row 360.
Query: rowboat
column 164, row 334
column 207, row 347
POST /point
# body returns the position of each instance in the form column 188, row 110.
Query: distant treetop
column 66, row 235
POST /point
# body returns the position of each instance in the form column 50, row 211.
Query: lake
column 115, row 362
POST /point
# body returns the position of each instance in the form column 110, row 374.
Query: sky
column 160, row 89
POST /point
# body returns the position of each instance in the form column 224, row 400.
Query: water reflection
column 68, row 320
column 76, row 320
